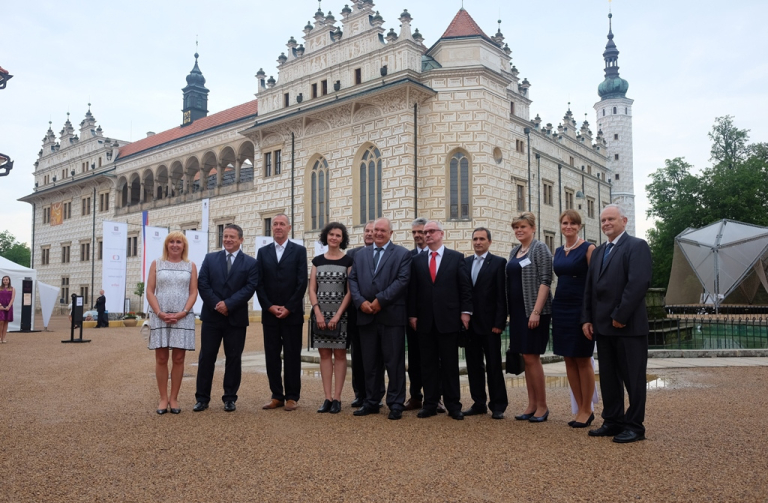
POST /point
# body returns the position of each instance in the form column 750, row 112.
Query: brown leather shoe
column 291, row 405
column 273, row 404
column 412, row 404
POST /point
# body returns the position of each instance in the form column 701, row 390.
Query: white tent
column 729, row 259
column 17, row 273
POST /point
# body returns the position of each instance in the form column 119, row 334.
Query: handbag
column 327, row 332
column 515, row 363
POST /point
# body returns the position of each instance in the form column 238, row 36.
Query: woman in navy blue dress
column 570, row 265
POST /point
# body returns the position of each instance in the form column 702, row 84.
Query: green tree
column 13, row 250
column 729, row 143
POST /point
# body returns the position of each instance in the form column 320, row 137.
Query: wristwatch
column 536, row 312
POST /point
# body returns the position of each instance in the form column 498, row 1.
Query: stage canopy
column 17, row 273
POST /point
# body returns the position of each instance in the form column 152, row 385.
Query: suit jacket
column 537, row 274
column 235, row 289
column 282, row 283
column 489, row 294
column 617, row 291
column 442, row 302
column 388, row 284
column 101, row 303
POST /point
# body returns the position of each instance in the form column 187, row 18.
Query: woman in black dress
column 570, row 264
column 329, row 294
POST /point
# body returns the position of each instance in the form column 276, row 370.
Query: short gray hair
column 419, row 221
column 389, row 222
column 618, row 207
column 438, row 224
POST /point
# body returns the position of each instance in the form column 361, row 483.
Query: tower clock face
column 187, row 117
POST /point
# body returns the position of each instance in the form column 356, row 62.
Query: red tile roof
column 464, row 26
column 212, row 121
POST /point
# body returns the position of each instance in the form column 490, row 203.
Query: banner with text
column 113, row 266
column 154, row 238
column 204, row 217
column 198, row 247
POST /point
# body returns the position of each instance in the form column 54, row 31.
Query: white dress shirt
column 280, row 249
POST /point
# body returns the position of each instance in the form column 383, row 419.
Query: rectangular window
column 278, row 158
column 548, row 191
column 616, row 136
column 520, row 197
column 46, row 214
column 99, row 161
column 220, row 234
column 267, row 226
column 268, row 164
column 568, row 199
column 104, row 201
column 100, row 250
column 67, row 211
column 520, row 146
column 617, row 176
column 571, row 161
column 314, row 90
column 549, row 240
column 84, row 295
column 132, row 250
column 512, row 107
column 589, row 169
column 591, row 208
column 615, row 157
column 65, row 254
column 286, row 99
column 86, row 206
column 324, row 87
column 45, row 256
column 85, row 252
column 358, row 76
column 65, row 291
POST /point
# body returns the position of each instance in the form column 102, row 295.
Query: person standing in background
column 101, row 308
column 7, row 296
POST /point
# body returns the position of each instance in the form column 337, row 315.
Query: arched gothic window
column 370, row 185
column 459, row 187
column 320, row 183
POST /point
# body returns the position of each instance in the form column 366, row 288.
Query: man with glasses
column 414, row 357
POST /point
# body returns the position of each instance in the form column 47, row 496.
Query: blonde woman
column 171, row 293
column 7, row 296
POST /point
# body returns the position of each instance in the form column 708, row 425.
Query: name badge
column 525, row 262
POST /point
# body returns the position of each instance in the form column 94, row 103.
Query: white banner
column 320, row 249
column 204, row 218
column 198, row 247
column 153, row 250
column 113, row 267
column 264, row 241
column 49, row 296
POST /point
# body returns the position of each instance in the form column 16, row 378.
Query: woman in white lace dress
column 171, row 294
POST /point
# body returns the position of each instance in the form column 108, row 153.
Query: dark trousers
column 101, row 319
column 440, row 367
column 211, row 336
column 414, row 364
column 358, row 375
column 383, row 348
column 285, row 338
column 488, row 346
column 623, row 362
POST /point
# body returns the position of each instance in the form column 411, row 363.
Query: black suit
column 489, row 311
column 414, row 357
column 438, row 307
column 616, row 291
column 235, row 289
column 283, row 283
column 101, row 307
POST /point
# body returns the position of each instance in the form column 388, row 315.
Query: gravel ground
column 77, row 423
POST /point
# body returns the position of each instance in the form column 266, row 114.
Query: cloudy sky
column 686, row 61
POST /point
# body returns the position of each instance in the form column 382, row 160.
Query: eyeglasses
column 432, row 231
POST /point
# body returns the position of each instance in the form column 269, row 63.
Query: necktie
column 433, row 266
column 476, row 268
column 229, row 262
column 605, row 255
column 376, row 257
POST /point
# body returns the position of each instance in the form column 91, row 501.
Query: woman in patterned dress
column 7, row 296
column 171, row 294
column 329, row 294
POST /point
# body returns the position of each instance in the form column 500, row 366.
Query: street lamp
column 527, row 132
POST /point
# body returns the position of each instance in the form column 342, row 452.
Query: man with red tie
column 439, row 307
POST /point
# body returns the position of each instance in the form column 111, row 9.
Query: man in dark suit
column 614, row 315
column 489, row 317
column 358, row 374
column 282, row 268
column 414, row 356
column 101, row 309
column 226, row 283
column 439, row 306
column 379, row 286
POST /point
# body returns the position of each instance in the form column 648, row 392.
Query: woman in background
column 7, row 296
column 171, row 294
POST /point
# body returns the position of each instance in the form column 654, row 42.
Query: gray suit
column 382, row 335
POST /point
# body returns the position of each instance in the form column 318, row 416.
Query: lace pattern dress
column 331, row 289
column 172, row 291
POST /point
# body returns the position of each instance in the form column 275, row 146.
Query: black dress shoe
column 229, row 406
column 474, row 412
column 175, row 411
column 577, row 424
column 395, row 414
column 200, row 406
column 365, row 410
column 525, row 416
column 605, row 431
column 628, row 436
column 426, row 413
column 457, row 415
column 326, row 407
column 539, row 419
column 357, row 402
column 496, row 415
column 335, row 407
column 162, row 411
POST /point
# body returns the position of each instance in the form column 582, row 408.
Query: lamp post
column 527, row 132
column 582, row 197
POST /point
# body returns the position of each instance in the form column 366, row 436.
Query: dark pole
column 538, row 194
column 293, row 167
column 599, row 206
column 32, row 255
column 527, row 132
column 583, row 192
column 560, row 195
column 415, row 164
column 93, row 244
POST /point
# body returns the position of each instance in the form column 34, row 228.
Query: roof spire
column 613, row 86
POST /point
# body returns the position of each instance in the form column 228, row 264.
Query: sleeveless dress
column 172, row 291
column 5, row 299
column 522, row 339
column 567, row 337
column 331, row 289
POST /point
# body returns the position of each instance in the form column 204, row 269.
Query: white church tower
column 614, row 119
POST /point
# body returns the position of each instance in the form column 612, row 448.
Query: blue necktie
column 376, row 257
column 605, row 255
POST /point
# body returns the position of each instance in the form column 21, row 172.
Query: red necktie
column 433, row 266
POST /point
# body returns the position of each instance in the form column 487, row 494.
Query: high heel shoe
column 539, row 419
column 335, row 407
column 162, row 411
column 326, row 407
column 525, row 416
column 577, row 424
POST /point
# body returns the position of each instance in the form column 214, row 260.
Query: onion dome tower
column 195, row 96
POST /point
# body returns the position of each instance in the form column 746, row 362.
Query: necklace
column 569, row 248
column 522, row 250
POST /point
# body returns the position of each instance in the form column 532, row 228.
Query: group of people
column 376, row 298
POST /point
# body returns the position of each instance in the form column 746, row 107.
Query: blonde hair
column 526, row 217
column 176, row 235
